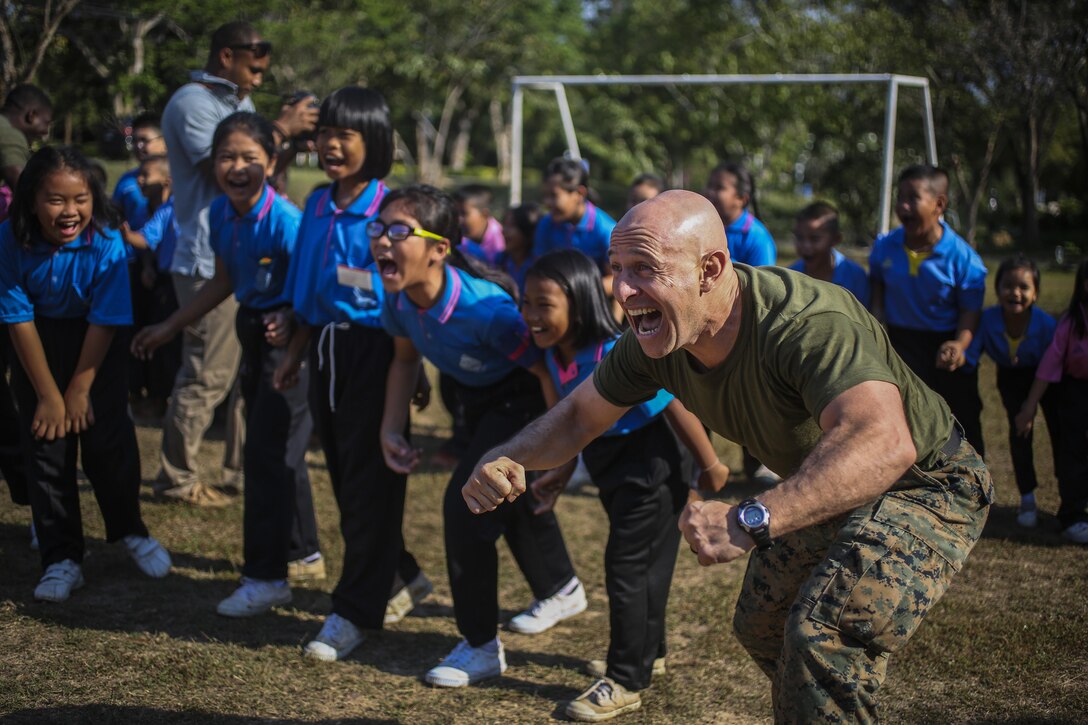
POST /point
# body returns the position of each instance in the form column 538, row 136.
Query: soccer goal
column 559, row 84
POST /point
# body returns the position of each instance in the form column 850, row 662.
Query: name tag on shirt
column 471, row 364
column 354, row 277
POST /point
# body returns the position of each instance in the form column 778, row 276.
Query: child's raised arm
column 49, row 416
column 400, row 387
column 712, row 472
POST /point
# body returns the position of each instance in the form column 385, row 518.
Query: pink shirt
column 493, row 242
column 1066, row 355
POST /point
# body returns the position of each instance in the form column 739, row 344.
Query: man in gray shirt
column 237, row 61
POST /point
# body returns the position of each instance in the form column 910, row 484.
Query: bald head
column 681, row 221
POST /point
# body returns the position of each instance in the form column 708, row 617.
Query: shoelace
column 461, row 655
column 603, row 693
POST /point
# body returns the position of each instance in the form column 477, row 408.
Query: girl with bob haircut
column 337, row 298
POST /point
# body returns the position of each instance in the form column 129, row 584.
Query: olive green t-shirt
column 801, row 343
column 14, row 150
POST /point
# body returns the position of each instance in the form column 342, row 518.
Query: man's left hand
column 712, row 532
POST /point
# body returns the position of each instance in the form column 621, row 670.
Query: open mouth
column 387, row 268
column 238, row 184
column 333, row 162
column 645, row 321
column 68, row 228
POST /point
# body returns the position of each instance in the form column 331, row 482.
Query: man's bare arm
column 548, row 442
column 865, row 448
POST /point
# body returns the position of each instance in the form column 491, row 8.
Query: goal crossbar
column 558, row 84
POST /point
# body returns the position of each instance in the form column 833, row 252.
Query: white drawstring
column 329, row 331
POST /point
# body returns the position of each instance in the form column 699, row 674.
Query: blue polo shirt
column 161, row 233
column 474, row 333
column 591, row 235
column 847, row 273
column 749, row 241
column 515, row 270
column 991, row 339
column 130, row 198
column 568, row 378
column 256, row 247
column 930, row 295
column 86, row 278
column 332, row 276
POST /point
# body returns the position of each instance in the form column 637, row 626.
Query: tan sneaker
column 406, row 599
column 599, row 668
column 605, row 700
column 301, row 570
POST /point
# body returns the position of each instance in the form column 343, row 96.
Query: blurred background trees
column 1009, row 81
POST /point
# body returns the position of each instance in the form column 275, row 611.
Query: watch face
column 753, row 517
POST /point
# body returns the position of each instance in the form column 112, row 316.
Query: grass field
column 1009, row 642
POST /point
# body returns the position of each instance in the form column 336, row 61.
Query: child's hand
column 712, row 479
column 950, row 356
column 78, row 414
column 399, row 456
column 547, row 487
column 49, row 421
column 1025, row 420
column 277, row 327
column 421, row 398
column 286, row 375
column 150, row 339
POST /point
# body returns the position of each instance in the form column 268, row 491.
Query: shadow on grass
column 1002, row 525
column 109, row 714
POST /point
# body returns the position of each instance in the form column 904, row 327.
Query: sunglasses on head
column 398, row 232
column 259, row 49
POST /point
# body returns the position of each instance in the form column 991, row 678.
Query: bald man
column 882, row 499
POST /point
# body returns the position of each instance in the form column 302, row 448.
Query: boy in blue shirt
column 815, row 235
column 154, row 244
column 732, row 190
column 128, row 194
column 927, row 287
column 572, row 220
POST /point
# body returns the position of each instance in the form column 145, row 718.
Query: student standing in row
column 927, row 287
column 1015, row 333
column 64, row 295
column 636, row 466
column 469, row 328
column 816, row 233
column 253, row 233
column 573, row 221
column 337, row 298
column 1066, row 362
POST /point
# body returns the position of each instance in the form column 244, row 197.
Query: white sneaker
column 406, row 599
column 337, row 638
column 544, row 614
column 149, row 555
column 255, row 596
column 765, row 477
column 1027, row 518
column 1077, row 533
column 466, row 665
column 33, row 537
column 58, row 581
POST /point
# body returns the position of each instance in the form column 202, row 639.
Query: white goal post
column 558, row 85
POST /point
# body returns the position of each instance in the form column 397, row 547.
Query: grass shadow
column 125, row 714
column 1002, row 525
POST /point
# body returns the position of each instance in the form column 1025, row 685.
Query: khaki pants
column 822, row 610
column 209, row 365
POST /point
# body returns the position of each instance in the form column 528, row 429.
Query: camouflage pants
column 822, row 610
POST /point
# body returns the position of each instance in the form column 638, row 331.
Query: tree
column 26, row 34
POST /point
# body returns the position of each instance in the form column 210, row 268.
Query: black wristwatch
column 755, row 519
